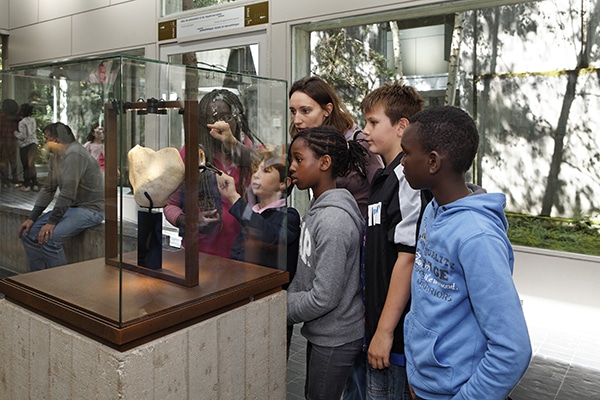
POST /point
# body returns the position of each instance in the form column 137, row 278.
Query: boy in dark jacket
column 267, row 224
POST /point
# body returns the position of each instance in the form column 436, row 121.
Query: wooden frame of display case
column 189, row 254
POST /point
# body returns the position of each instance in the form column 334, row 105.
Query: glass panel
column 181, row 145
column 242, row 59
column 414, row 49
column 175, row 6
column 527, row 72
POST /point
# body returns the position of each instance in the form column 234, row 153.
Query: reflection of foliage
column 207, row 3
column 81, row 103
column 349, row 65
column 40, row 98
column 41, row 120
column 85, row 107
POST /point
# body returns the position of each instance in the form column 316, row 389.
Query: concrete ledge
column 85, row 246
column 557, row 275
column 240, row 354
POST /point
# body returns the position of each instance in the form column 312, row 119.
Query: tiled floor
column 566, row 348
column 566, row 354
column 296, row 367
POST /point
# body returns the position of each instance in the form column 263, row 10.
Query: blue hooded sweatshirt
column 465, row 334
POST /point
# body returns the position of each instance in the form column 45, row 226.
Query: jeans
column 389, row 383
column 52, row 254
column 328, row 369
column 356, row 385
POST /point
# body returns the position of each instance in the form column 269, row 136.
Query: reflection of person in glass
column 227, row 143
column 76, row 177
column 9, row 123
column 98, row 75
column 267, row 224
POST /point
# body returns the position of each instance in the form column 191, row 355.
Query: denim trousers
column 356, row 386
column 387, row 384
column 328, row 369
column 51, row 254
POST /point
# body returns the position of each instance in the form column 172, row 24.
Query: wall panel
column 58, row 9
column 126, row 25
column 45, row 41
column 22, row 12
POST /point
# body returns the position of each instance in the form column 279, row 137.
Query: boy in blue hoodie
column 465, row 334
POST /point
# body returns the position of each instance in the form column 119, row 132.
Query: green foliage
column 353, row 69
column 41, row 121
column 577, row 235
column 207, row 3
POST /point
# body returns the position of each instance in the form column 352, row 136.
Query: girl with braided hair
column 325, row 294
column 313, row 102
column 226, row 142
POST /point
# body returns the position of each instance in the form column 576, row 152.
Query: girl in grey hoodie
column 325, row 294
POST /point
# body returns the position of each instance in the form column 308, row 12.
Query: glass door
column 240, row 53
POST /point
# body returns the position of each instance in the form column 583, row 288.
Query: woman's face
column 306, row 112
column 218, row 110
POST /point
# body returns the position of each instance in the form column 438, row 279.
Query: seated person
column 227, row 143
column 79, row 204
column 267, row 224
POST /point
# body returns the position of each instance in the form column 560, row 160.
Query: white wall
column 42, row 30
column 558, row 276
column 3, row 15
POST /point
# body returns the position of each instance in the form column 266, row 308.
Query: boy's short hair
column 448, row 130
column 398, row 100
column 275, row 158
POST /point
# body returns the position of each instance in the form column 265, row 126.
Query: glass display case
column 181, row 146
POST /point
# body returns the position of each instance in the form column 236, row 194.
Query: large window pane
column 527, row 72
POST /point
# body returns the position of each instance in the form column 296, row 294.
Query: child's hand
column 221, row 131
column 226, row 186
column 207, row 220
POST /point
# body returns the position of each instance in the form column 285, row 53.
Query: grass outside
column 573, row 236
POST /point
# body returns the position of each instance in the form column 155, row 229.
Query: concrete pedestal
column 240, row 354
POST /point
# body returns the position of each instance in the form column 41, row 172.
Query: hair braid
column 345, row 156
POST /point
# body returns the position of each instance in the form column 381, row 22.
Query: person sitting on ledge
column 79, row 204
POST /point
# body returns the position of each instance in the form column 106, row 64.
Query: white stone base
column 240, row 354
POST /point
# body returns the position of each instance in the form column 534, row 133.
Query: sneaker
column 35, row 188
column 5, row 185
column 18, row 185
column 25, row 188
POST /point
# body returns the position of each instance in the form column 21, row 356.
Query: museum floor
column 566, row 355
column 565, row 339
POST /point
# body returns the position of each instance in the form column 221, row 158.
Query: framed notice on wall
column 217, row 21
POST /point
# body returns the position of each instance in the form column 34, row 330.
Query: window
column 175, row 6
column 527, row 72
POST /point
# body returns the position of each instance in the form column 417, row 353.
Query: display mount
column 189, row 254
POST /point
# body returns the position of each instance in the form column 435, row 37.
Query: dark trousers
column 8, row 161
column 28, row 154
column 328, row 369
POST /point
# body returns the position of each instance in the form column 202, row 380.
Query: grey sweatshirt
column 326, row 291
column 80, row 180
